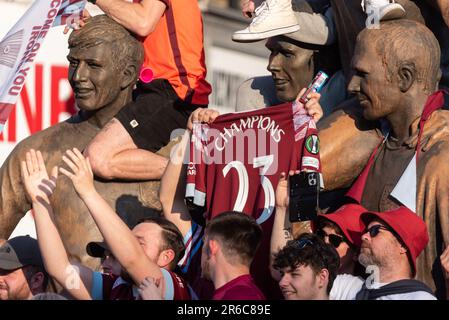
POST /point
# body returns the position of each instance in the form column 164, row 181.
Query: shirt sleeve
column 345, row 287
column 193, row 242
column 196, row 169
column 97, row 286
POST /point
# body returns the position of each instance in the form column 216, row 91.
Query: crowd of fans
column 352, row 253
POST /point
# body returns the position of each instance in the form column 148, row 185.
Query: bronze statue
column 105, row 60
column 396, row 70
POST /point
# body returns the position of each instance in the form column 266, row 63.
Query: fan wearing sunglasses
column 391, row 243
column 341, row 229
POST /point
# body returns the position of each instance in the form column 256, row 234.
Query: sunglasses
column 334, row 239
column 300, row 244
column 374, row 230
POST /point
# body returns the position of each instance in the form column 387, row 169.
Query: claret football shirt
column 235, row 164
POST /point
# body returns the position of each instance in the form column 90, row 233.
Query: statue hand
column 38, row 185
column 82, row 176
column 436, row 128
column 444, row 258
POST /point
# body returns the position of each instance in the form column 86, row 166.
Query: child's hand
column 35, row 178
column 77, row 24
column 312, row 106
column 248, row 8
column 81, row 175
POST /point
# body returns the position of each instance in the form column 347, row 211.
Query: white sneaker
column 272, row 18
column 386, row 9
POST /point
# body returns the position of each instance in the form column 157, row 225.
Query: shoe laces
column 261, row 13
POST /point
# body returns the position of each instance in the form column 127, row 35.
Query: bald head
column 400, row 42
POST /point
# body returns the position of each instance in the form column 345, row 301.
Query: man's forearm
column 279, row 237
column 54, row 254
column 123, row 244
column 140, row 18
column 172, row 189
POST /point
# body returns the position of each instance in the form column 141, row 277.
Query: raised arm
column 122, row 242
column 140, row 18
column 173, row 187
column 75, row 279
column 173, row 182
column 282, row 228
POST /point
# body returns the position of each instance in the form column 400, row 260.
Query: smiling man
column 22, row 272
column 308, row 267
column 104, row 63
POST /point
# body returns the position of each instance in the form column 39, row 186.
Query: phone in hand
column 304, row 196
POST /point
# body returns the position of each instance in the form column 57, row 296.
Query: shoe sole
column 395, row 12
column 253, row 37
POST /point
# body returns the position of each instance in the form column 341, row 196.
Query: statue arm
column 346, row 141
column 173, row 187
column 13, row 201
column 140, row 18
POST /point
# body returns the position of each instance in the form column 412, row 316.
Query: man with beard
column 391, row 243
column 152, row 249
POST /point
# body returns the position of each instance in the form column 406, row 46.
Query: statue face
column 93, row 77
column 377, row 95
column 291, row 67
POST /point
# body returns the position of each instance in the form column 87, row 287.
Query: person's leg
column 381, row 10
column 114, row 155
column 272, row 18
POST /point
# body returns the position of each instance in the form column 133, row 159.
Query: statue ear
column 129, row 76
column 407, row 75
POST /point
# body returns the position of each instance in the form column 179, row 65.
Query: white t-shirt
column 347, row 286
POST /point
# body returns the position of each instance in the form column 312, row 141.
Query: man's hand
column 82, row 176
column 35, row 178
column 202, row 115
column 283, row 189
column 77, row 24
column 248, row 8
column 150, row 289
column 312, row 106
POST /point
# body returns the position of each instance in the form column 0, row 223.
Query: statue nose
column 80, row 73
column 354, row 84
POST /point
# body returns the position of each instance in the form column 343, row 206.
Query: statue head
column 105, row 60
column 296, row 57
column 394, row 64
column 293, row 64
